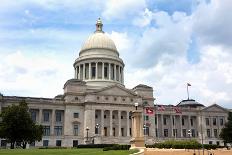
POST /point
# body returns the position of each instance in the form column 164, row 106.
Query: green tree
column 18, row 127
column 226, row 132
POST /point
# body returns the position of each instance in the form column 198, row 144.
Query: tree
column 18, row 127
column 226, row 132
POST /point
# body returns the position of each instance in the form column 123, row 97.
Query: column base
column 137, row 142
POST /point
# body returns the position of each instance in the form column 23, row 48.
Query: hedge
column 117, row 147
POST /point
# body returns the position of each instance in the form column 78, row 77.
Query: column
column 75, row 72
column 181, row 134
column 53, row 122
column 171, row 118
column 111, row 132
column 114, row 72
column 128, row 123
column 189, row 124
column 119, row 69
column 79, row 72
column 102, row 123
column 40, row 116
column 84, row 71
column 119, row 124
column 90, row 71
column 96, row 71
column 109, row 71
column 122, row 75
column 103, row 70
column 161, row 125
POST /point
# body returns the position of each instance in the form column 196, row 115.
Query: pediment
column 215, row 108
column 116, row 90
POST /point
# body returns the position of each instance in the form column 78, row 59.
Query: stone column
column 171, row 118
column 96, row 71
column 161, row 125
column 75, row 72
column 119, row 69
column 40, row 116
column 84, row 71
column 53, row 122
column 128, row 123
column 181, row 134
column 90, row 71
column 79, row 72
column 103, row 70
column 102, row 123
column 111, row 132
column 119, row 124
column 114, row 72
column 122, row 75
column 109, row 71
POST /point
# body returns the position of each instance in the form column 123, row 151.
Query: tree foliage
column 18, row 127
column 226, row 132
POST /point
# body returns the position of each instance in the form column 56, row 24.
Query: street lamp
column 97, row 127
column 87, row 130
column 189, row 133
column 136, row 105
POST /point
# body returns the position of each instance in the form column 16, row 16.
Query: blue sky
column 164, row 44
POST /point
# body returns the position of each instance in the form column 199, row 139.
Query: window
column 75, row 143
column 105, row 72
column 33, row 115
column 208, row 133
column 191, row 122
column 155, row 120
column 45, row 142
column 115, row 99
column 76, row 115
column 93, row 72
column 165, row 121
column 123, row 99
column 58, row 116
column 182, row 121
column 75, row 130
column 58, row 130
column 165, row 132
column 215, row 133
column 113, row 116
column 214, row 121
column 221, row 122
column 146, row 130
column 193, row 132
column 96, row 116
column 122, row 131
column 130, row 132
column 210, row 142
column 173, row 121
column 104, row 116
column 46, row 116
column 106, row 98
column 58, row 142
column 96, row 130
column 174, row 132
column 121, row 117
column 207, row 121
column 184, row 132
column 114, row 132
column 146, row 118
column 46, row 130
column 218, row 143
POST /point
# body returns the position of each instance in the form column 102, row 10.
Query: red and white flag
column 149, row 111
column 177, row 110
column 161, row 108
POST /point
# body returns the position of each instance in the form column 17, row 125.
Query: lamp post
column 87, row 131
column 97, row 127
column 136, row 106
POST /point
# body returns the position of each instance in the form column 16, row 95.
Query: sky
column 163, row 43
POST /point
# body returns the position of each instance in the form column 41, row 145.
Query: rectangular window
column 93, row 72
column 191, row 122
column 58, row 130
column 76, row 115
column 184, row 132
column 104, row 116
column 215, row 133
column 96, row 116
column 214, row 121
column 130, row 132
column 208, row 133
column 146, row 130
column 122, row 131
column 121, row 117
column 113, row 116
column 105, row 131
column 182, row 121
column 33, row 115
column 221, row 122
column 114, row 132
column 155, row 120
column 165, row 121
column 165, row 132
column 58, row 116
column 146, row 118
column 96, row 129
column 45, row 142
column 46, row 116
column 75, row 143
column 58, row 142
column 75, row 130
column 105, row 72
column 193, row 132
column 207, row 121
column 46, row 130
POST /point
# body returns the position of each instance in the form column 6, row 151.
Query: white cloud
column 116, row 9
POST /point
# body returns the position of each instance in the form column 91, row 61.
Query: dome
column 190, row 102
column 99, row 40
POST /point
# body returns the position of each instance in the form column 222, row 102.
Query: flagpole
column 188, row 91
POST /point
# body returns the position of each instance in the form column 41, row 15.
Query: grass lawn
column 63, row 152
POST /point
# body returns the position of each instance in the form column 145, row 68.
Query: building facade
column 96, row 106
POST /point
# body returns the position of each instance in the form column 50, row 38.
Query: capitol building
column 96, row 107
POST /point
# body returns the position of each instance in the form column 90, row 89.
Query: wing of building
column 96, row 106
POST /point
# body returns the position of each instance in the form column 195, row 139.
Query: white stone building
column 96, row 106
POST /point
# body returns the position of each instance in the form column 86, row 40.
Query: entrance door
column 75, row 143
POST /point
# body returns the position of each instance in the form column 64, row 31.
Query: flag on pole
column 149, row 111
column 188, row 84
column 161, row 108
column 177, row 110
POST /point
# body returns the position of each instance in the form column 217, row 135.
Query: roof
column 142, row 86
column 189, row 102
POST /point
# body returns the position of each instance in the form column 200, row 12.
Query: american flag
column 149, row 111
column 177, row 110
